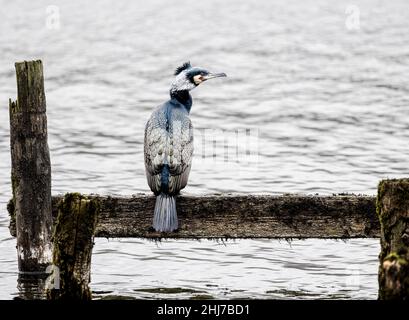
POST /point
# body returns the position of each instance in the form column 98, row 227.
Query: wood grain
column 232, row 216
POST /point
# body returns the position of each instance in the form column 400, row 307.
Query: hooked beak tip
column 215, row 75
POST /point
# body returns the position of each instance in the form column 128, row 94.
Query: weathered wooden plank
column 242, row 216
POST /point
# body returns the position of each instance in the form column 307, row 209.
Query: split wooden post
column 393, row 212
column 73, row 241
column 31, row 169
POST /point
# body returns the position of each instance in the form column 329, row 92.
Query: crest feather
column 184, row 66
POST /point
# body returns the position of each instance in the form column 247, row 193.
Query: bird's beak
column 213, row 75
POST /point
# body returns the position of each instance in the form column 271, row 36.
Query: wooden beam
column 242, row 216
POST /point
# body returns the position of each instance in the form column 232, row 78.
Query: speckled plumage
column 168, row 141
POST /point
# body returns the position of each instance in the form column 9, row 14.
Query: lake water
column 324, row 97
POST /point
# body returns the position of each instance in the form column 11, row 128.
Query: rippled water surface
column 328, row 105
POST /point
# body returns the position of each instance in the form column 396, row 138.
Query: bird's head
column 188, row 77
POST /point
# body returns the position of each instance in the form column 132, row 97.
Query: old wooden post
column 31, row 169
column 73, row 241
column 393, row 212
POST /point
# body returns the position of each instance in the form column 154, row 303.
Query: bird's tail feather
column 165, row 217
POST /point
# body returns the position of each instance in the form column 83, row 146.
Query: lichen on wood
column 73, row 240
column 393, row 212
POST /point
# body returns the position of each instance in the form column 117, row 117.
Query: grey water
column 325, row 98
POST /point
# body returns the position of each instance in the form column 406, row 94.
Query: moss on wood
column 73, row 240
column 393, row 211
column 224, row 217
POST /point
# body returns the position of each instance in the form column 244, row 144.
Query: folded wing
column 155, row 145
column 168, row 140
column 180, row 151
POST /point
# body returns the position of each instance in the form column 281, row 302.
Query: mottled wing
column 156, row 140
column 180, row 150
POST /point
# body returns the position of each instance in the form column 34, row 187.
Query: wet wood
column 73, row 242
column 242, row 216
column 31, row 169
column 393, row 211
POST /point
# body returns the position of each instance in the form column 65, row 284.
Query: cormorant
column 168, row 145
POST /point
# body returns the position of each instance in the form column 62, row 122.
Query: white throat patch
column 181, row 82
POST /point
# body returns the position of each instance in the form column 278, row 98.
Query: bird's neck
column 182, row 97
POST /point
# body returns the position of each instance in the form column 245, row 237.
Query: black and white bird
column 168, row 145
